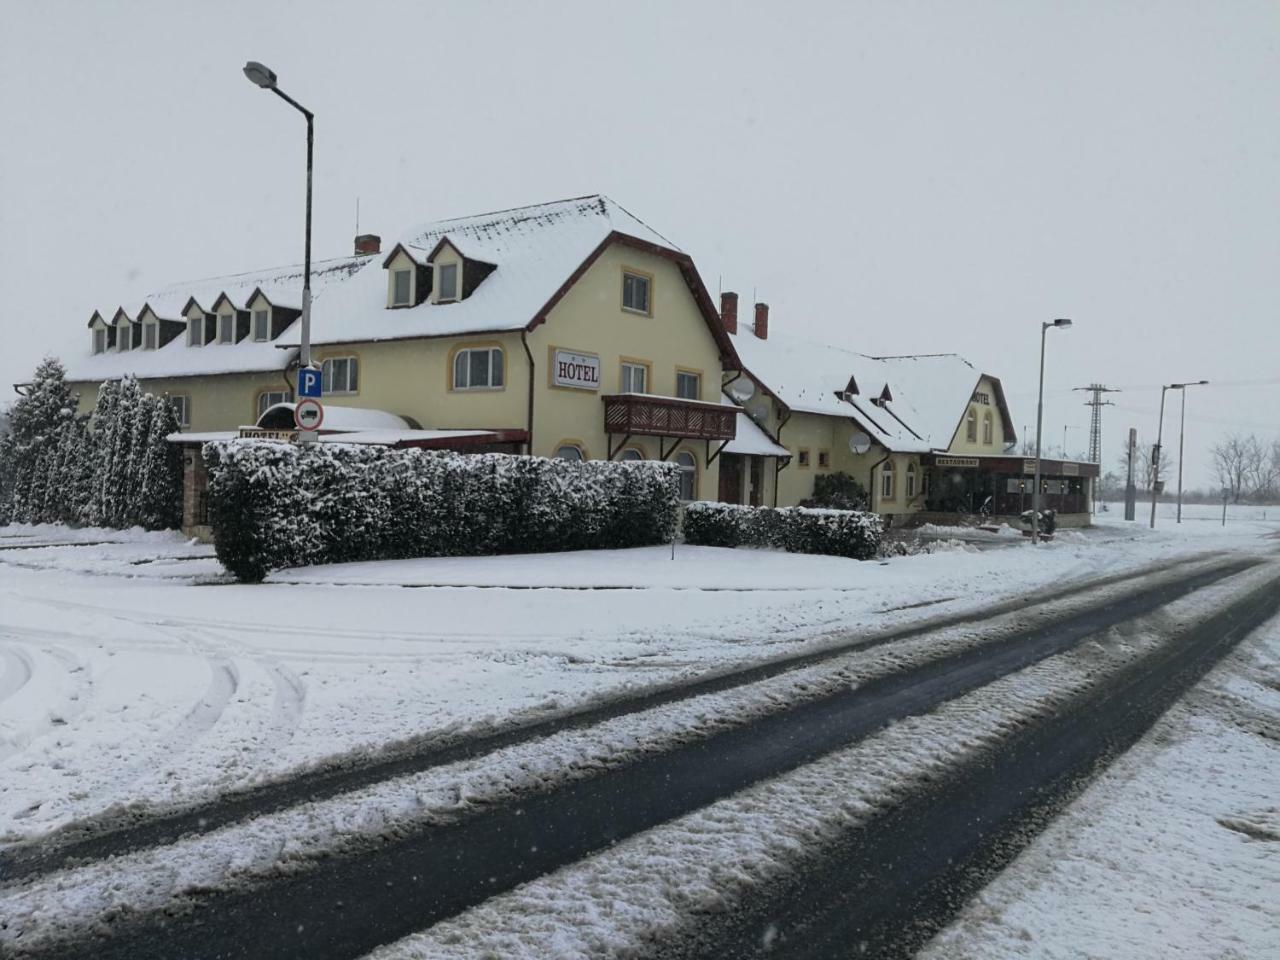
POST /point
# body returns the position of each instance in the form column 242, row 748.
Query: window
column 150, row 336
column 262, row 325
column 447, row 289
column 478, row 369
column 182, row 409
column 99, row 340
column 269, row 398
column 886, row 481
column 911, row 480
column 227, row 328
column 401, row 288
column 195, row 331
column 824, row 459
column 971, row 426
column 124, row 337
column 631, row 453
column 802, row 457
column 635, row 292
column 688, row 474
column 986, row 428
column 635, row 378
column 570, row 451
column 688, row 385
column 339, row 375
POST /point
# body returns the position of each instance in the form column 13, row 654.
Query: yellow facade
column 982, row 415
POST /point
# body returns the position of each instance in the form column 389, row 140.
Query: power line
column 1095, row 422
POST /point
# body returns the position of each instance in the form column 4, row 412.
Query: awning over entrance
column 1013, row 465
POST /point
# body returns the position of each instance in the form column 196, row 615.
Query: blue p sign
column 309, row 383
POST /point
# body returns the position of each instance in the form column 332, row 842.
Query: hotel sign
column 578, row 371
column 956, row 461
column 257, row 433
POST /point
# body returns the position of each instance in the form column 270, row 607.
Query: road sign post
column 310, row 383
column 308, row 415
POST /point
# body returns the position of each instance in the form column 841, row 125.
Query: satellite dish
column 742, row 390
column 859, row 442
column 758, row 408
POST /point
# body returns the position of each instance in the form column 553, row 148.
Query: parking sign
column 310, row 383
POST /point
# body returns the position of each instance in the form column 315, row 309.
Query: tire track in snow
column 60, row 713
column 17, row 671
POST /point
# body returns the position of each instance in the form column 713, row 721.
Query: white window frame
column 628, row 377
column 182, row 406
column 99, row 339
column 268, row 399
column 697, row 382
column 124, row 337
column 911, row 480
column 453, row 295
column 226, row 332
column 462, row 362
column 350, row 380
column 887, row 481
column 988, row 428
column 265, row 314
column 647, row 309
column 971, row 426
column 150, row 336
column 195, row 326
column 581, row 454
column 688, row 465
column 396, row 274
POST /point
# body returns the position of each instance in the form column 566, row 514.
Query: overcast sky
column 899, row 177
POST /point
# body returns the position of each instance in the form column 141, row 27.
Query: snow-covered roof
column 343, row 418
column 534, row 250
column 752, row 440
column 929, row 392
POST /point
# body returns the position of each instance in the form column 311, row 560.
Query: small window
column 448, row 286
column 635, row 292
column 124, row 337
column 269, row 398
column 631, row 453
column 911, row 480
column 570, row 451
column 802, row 457
column 99, row 340
column 986, row 428
column 824, row 459
column 886, row 481
column 688, row 475
column 688, row 385
column 478, row 369
column 182, row 409
column 262, row 325
column 339, row 375
column 227, row 328
column 971, row 426
column 150, row 336
column 401, row 292
column 195, row 332
column 635, row 378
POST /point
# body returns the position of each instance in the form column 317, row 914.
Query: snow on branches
column 838, row 533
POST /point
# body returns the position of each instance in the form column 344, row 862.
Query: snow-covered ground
column 132, row 673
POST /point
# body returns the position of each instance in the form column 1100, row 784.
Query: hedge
column 837, row 533
column 276, row 505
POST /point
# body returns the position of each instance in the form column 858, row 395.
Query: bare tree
column 1143, row 467
column 1236, row 462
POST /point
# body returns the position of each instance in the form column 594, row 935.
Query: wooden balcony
column 645, row 415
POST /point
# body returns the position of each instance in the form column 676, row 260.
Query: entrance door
column 757, row 481
column 730, row 478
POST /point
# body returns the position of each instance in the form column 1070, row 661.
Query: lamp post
column 1159, row 448
column 1061, row 323
column 266, row 78
column 1182, row 426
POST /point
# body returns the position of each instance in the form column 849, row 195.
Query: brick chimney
column 762, row 321
column 368, row 243
column 729, row 311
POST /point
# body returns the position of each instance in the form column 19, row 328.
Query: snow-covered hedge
column 838, row 533
column 276, row 505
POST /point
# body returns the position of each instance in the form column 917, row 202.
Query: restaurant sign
column 578, row 371
column 956, row 461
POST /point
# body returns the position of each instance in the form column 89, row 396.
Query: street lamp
column 264, row 77
column 1061, row 323
column 1159, row 448
column 1181, row 431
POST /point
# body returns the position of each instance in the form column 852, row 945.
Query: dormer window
column 261, row 324
column 99, row 339
column 150, row 336
column 447, row 282
column 195, row 331
column 401, row 288
column 124, row 337
column 227, row 328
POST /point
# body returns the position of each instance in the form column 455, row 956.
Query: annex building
column 567, row 329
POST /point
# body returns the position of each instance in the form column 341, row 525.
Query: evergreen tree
column 139, row 436
column 35, row 420
column 103, row 424
column 160, row 484
column 8, row 465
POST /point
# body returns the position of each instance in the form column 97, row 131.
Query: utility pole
column 1095, row 425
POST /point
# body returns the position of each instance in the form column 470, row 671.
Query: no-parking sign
column 308, row 414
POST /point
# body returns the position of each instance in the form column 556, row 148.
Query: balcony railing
column 641, row 414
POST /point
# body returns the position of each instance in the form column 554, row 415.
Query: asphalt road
column 345, row 907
